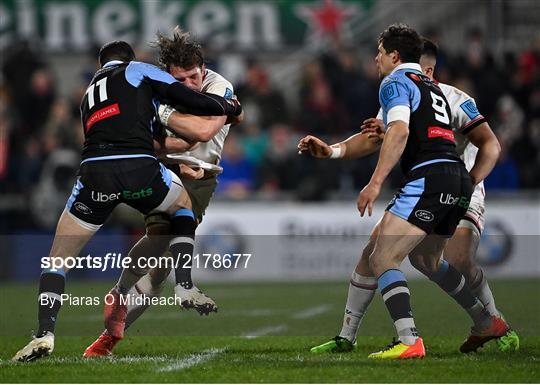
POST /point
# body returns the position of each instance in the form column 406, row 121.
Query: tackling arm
column 489, row 150
column 359, row 145
column 167, row 145
column 168, row 88
column 356, row 146
column 191, row 127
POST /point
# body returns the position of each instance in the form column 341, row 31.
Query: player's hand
column 191, row 173
column 372, row 124
column 164, row 112
column 316, row 147
column 236, row 104
column 234, row 120
column 367, row 197
column 374, row 129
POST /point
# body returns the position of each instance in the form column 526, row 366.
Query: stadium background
column 298, row 67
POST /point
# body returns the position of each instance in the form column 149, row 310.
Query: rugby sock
column 181, row 246
column 480, row 288
column 51, row 286
column 144, row 286
column 396, row 296
column 361, row 292
column 453, row 282
column 127, row 280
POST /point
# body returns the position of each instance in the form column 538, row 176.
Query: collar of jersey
column 407, row 66
column 112, row 63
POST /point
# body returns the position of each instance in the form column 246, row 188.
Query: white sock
column 127, row 280
column 479, row 315
column 361, row 293
column 484, row 294
column 145, row 287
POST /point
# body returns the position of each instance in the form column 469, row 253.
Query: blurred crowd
column 41, row 134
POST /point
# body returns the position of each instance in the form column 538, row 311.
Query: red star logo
column 327, row 16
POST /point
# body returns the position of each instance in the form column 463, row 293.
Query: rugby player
column 462, row 247
column 417, row 117
column 182, row 58
column 118, row 114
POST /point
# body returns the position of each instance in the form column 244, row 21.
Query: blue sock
column 51, row 286
column 396, row 296
column 183, row 226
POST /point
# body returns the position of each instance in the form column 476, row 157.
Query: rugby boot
column 478, row 337
column 195, row 299
column 509, row 342
column 335, row 345
column 397, row 350
column 37, row 348
column 101, row 347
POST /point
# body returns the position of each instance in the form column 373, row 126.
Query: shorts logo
column 228, row 93
column 451, row 200
column 98, row 196
column 448, row 199
column 82, row 208
column 424, row 215
column 144, row 193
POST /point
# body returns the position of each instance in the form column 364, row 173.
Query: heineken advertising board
column 224, row 24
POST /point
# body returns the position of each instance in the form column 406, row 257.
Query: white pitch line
column 312, row 312
column 137, row 359
column 192, row 360
column 264, row 331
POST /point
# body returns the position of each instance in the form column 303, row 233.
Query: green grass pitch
column 263, row 333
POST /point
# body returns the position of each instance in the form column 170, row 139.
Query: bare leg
column 396, row 239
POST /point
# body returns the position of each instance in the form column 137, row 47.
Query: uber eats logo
column 98, row 196
column 126, row 194
column 449, row 199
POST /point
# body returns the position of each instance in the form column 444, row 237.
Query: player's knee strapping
column 183, row 225
column 51, row 287
column 396, row 296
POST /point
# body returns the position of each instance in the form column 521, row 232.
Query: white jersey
column 210, row 151
column 202, row 190
column 465, row 116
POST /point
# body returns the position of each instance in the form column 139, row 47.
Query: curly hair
column 179, row 50
column 404, row 39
